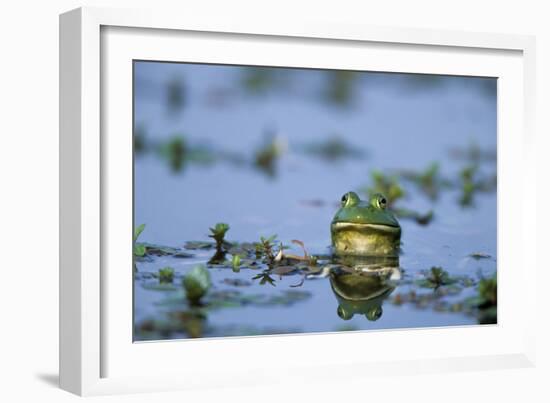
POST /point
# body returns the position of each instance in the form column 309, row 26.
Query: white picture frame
column 96, row 356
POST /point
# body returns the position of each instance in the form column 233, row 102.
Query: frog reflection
column 360, row 289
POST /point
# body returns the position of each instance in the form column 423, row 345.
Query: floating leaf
column 237, row 282
column 282, row 270
column 194, row 245
column 480, row 255
column 154, row 286
column 243, row 249
column 158, row 250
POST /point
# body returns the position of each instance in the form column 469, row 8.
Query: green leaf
column 140, row 250
column 138, row 231
column 218, row 233
column 236, row 263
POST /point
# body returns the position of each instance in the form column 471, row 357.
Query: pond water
column 271, row 152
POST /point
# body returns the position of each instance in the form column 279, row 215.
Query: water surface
column 228, row 114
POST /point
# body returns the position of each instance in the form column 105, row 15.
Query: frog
column 365, row 228
column 362, row 293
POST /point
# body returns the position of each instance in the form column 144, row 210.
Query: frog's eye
column 350, row 199
column 344, row 199
column 382, row 202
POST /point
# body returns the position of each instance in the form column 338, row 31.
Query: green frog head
column 365, row 228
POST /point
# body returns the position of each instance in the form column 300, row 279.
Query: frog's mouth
column 392, row 229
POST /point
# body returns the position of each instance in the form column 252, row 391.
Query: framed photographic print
column 252, row 197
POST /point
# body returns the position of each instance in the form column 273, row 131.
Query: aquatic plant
column 389, row 186
column 470, row 182
column 161, row 250
column 258, row 80
column 198, row 245
column 243, row 249
column 265, row 248
column 283, row 258
column 174, row 151
column 178, row 152
column 340, row 87
column 236, row 282
column 218, row 234
column 487, row 290
column 480, row 255
column 333, row 149
column 386, row 185
column 139, row 249
column 196, row 284
column 175, row 94
column 218, row 258
column 467, row 183
column 266, row 156
column 265, row 278
column 436, row 278
column 473, row 154
column 420, row 218
column 236, row 263
column 486, row 300
column 166, row 275
column 429, row 181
